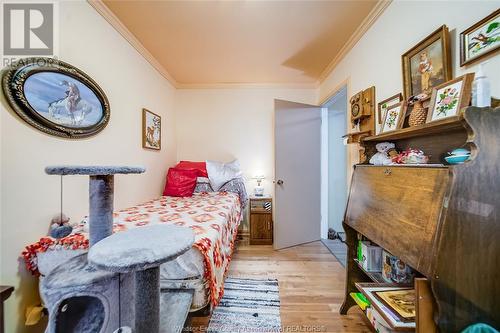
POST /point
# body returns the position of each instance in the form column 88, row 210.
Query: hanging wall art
column 56, row 98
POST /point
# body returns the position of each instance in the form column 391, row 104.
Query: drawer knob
column 387, row 172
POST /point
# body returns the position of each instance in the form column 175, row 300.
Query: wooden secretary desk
column 442, row 220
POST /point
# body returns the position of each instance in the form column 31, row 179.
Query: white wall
column 223, row 124
column 376, row 58
column 29, row 197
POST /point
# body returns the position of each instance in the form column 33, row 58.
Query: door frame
column 324, row 155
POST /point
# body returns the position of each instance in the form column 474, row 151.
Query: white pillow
column 220, row 173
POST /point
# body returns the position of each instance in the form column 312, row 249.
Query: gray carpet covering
column 248, row 305
column 338, row 249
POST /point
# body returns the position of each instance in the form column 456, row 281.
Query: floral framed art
column 394, row 118
column 480, row 39
column 448, row 98
column 385, row 104
column 427, row 64
column 151, row 130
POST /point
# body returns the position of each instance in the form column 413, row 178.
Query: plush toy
column 59, row 226
column 382, row 157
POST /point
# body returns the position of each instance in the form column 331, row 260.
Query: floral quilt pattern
column 214, row 217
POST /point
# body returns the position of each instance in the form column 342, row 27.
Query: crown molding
column 115, row 22
column 250, row 85
column 374, row 14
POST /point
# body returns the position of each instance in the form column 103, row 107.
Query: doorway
column 334, row 171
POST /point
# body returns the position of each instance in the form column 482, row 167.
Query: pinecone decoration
column 418, row 115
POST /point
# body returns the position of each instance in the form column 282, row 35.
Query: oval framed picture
column 56, row 98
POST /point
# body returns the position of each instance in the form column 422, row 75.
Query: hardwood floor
column 311, row 283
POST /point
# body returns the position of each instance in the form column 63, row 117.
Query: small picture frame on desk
column 394, row 118
column 448, row 98
column 386, row 104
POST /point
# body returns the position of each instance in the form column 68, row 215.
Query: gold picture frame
column 427, row 64
column 450, row 97
column 385, row 104
column 151, row 130
column 400, row 301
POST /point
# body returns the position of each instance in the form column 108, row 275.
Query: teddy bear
column 385, row 151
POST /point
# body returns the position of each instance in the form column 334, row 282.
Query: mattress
column 214, row 218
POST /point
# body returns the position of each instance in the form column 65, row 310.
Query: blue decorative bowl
column 457, row 159
column 459, row 152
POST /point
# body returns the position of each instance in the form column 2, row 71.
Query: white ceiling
column 214, row 42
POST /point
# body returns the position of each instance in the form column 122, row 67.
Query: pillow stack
column 182, row 179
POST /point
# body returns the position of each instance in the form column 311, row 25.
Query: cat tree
column 116, row 286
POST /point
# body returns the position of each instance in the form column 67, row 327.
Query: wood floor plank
column 311, row 284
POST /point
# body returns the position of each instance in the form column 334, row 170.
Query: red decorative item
column 411, row 156
column 180, row 182
column 201, row 167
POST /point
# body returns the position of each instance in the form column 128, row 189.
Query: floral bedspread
column 214, row 217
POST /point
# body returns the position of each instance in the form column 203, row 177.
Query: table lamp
column 259, row 189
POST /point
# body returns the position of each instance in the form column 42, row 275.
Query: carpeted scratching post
column 142, row 251
column 100, row 207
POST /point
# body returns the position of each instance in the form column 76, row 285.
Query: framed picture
column 481, row 39
column 393, row 118
column 55, row 97
column 401, row 301
column 448, row 98
column 151, row 130
column 427, row 64
column 385, row 104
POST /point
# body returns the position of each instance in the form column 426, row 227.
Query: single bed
column 213, row 216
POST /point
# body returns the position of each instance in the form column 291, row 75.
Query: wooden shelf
column 437, row 127
column 375, row 276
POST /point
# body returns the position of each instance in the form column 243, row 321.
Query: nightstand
column 261, row 221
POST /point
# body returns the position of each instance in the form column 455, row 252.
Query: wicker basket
column 418, row 115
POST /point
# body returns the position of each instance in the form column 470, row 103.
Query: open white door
column 297, row 173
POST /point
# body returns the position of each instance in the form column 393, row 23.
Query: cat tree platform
column 101, row 188
column 142, row 251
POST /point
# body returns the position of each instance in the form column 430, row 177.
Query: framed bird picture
column 151, row 130
column 480, row 39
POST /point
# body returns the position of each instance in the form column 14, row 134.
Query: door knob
column 280, row 182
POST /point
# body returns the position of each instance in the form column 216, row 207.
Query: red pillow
column 180, row 182
column 201, row 167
